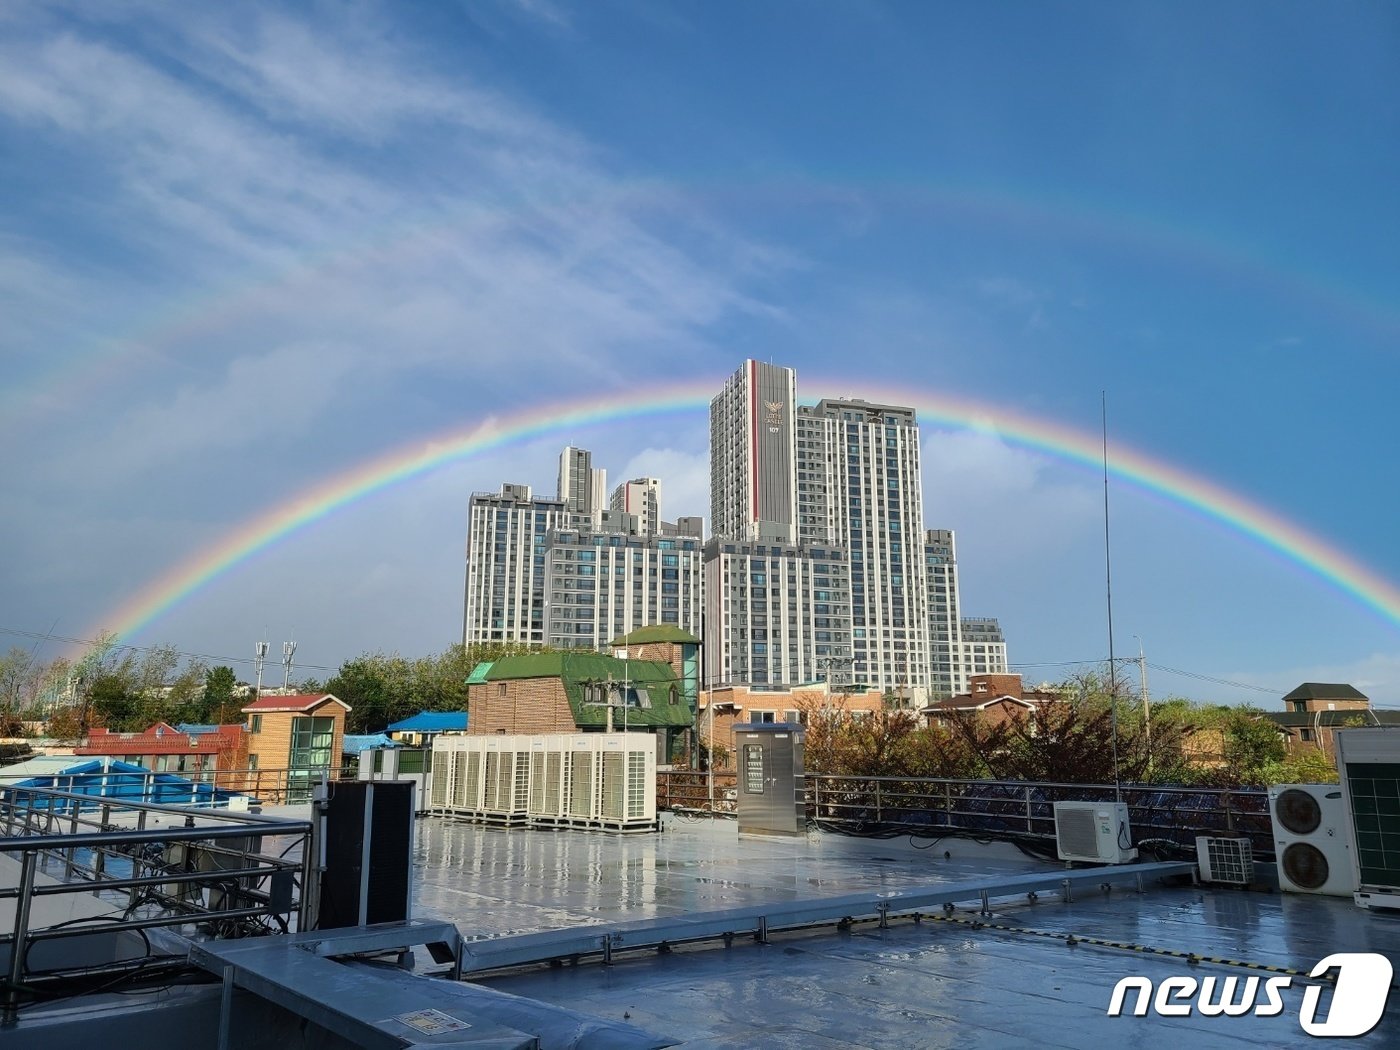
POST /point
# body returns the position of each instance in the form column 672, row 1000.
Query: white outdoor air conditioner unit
column 1311, row 839
column 1096, row 832
column 1225, row 860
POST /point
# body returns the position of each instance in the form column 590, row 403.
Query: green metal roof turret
column 661, row 632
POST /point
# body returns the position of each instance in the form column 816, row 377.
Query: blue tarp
column 123, row 780
column 432, row 722
column 354, row 744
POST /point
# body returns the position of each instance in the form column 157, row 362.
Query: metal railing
column 190, row 788
column 693, row 789
column 867, row 805
column 1019, row 807
column 215, row 873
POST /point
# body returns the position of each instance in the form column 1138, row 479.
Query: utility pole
column 1146, row 704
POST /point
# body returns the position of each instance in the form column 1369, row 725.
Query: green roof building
column 572, row 690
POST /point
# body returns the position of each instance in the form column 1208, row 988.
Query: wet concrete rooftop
column 942, row 982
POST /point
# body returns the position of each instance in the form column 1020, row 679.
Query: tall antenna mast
column 1108, row 581
column 288, row 651
column 259, row 655
column 1146, row 704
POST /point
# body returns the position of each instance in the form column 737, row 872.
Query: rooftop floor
column 1012, row 981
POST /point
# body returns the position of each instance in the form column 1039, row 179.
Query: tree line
column 1067, row 740
column 128, row 690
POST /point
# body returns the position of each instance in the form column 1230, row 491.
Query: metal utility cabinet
column 771, row 789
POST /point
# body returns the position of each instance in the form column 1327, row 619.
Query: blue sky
column 244, row 247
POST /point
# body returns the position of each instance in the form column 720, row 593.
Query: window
column 252, row 761
column 311, row 743
column 501, row 689
column 256, row 727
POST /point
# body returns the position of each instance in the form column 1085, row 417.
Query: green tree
column 218, row 704
column 1252, row 743
column 20, row 676
column 110, row 702
column 377, row 689
column 385, row 688
column 1307, row 766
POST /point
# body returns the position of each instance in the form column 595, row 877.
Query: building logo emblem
column 774, row 418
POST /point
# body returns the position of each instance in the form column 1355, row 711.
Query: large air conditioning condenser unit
column 1096, row 832
column 1311, row 839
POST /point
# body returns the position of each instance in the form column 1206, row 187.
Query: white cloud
column 486, row 243
column 1014, row 500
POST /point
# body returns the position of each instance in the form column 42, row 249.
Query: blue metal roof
column 432, row 722
column 355, row 743
column 124, row 780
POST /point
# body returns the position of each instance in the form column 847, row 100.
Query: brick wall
column 668, row 653
column 272, row 744
column 983, row 685
column 524, row 705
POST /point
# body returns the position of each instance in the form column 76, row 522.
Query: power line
column 1217, row 681
column 207, row 657
column 1157, row 667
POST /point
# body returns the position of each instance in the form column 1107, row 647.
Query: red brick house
column 195, row 752
column 997, row 697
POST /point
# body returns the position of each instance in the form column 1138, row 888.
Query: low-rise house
column 197, row 752
column 996, row 697
column 1314, row 712
column 419, row 730
column 293, row 741
column 578, row 690
column 678, row 649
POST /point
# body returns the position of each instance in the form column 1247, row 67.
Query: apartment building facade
column 776, row 613
column 582, row 487
column 640, row 497
column 540, row 571
column 842, row 477
column 600, row 585
column 872, row 475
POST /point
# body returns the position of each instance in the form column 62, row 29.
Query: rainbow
column 1266, row 528
column 1012, row 209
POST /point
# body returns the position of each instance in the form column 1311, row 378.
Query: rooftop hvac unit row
column 603, row 780
column 1096, row 832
